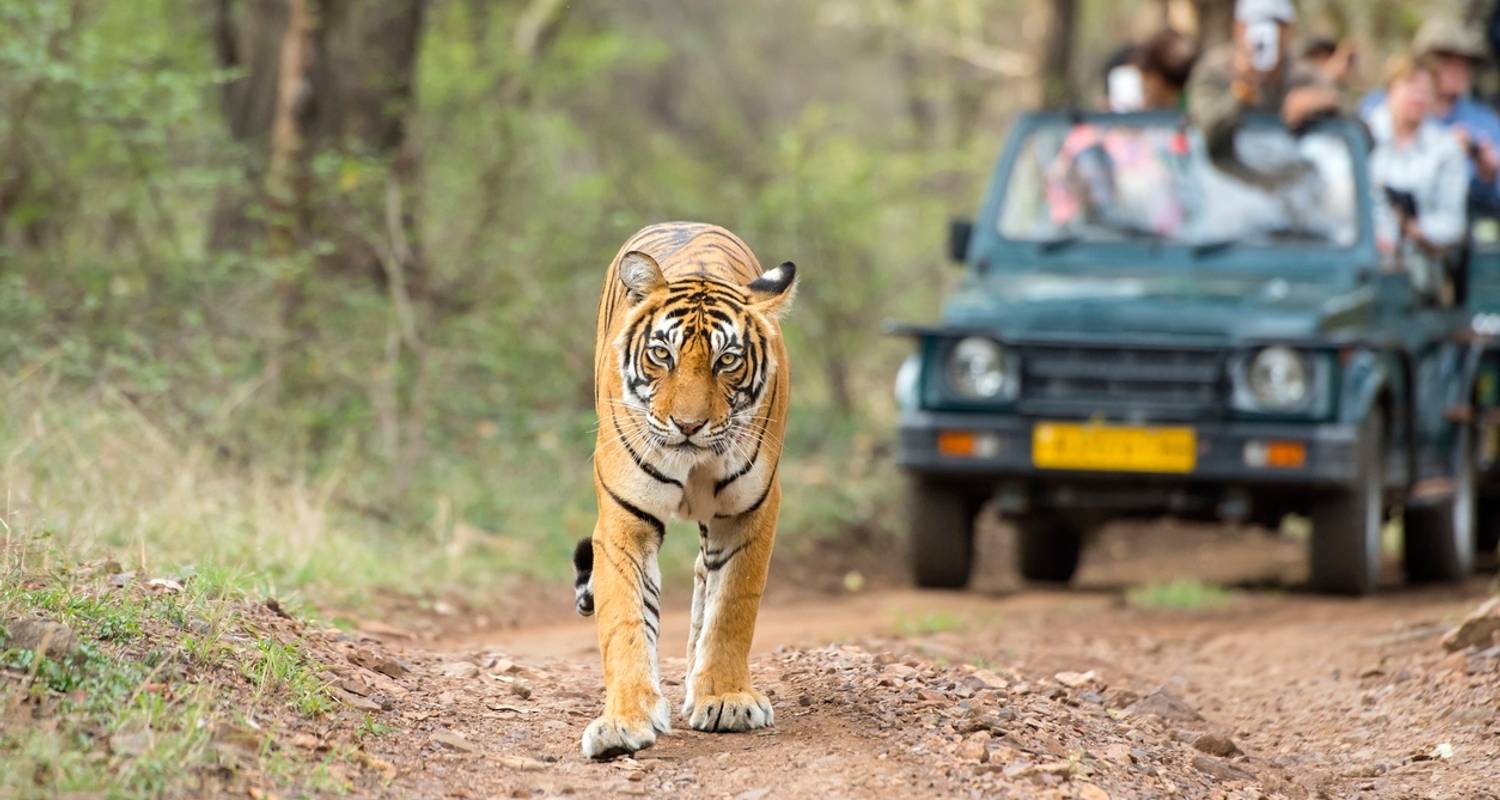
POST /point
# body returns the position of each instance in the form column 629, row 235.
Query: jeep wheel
column 1047, row 549
column 1487, row 525
column 1344, row 554
column 942, row 532
column 1439, row 542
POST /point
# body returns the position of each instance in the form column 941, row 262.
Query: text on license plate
column 1061, row 445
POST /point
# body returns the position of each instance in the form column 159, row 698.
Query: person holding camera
column 1454, row 52
column 1419, row 171
column 1256, row 73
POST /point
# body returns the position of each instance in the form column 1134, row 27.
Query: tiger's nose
column 687, row 427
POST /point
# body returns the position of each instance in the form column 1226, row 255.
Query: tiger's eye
column 661, row 353
column 728, row 361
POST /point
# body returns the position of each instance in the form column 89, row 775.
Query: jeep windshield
column 1108, row 180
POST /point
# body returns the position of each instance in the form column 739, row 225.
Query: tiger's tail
column 583, row 583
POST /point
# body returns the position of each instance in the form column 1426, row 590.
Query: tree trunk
column 1055, row 61
column 322, row 76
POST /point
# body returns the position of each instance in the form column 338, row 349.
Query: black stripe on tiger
column 715, row 562
column 640, row 461
column 635, row 511
column 759, row 500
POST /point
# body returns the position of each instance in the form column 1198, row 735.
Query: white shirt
column 1431, row 166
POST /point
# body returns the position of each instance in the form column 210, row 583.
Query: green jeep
column 1140, row 332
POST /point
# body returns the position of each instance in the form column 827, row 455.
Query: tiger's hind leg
column 733, row 559
column 627, row 603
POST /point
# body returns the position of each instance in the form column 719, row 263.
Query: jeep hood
column 1216, row 307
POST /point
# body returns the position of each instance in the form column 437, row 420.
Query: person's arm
column 1213, row 105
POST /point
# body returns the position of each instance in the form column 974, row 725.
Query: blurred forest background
column 307, row 287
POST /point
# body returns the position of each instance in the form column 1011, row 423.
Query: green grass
column 928, row 623
column 280, row 668
column 132, row 710
column 1180, row 595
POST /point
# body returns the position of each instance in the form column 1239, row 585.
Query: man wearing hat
column 1255, row 73
column 1454, row 52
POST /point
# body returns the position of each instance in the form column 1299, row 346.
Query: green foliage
column 237, row 407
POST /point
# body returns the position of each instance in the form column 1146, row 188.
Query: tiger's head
column 696, row 360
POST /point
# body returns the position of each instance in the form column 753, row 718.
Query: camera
column 1264, row 39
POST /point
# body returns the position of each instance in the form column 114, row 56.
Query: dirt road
column 1018, row 694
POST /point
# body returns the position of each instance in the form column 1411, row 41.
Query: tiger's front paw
column 611, row 737
column 732, row 711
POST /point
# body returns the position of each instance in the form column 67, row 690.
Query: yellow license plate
column 1061, row 445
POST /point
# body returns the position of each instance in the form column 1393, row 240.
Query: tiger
column 691, row 386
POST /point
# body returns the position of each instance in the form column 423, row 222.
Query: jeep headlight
column 1279, row 379
column 980, row 369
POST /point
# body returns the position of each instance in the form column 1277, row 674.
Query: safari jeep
column 1139, row 332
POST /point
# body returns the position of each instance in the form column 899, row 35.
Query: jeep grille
column 1143, row 383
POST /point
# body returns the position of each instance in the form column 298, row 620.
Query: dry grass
column 97, row 476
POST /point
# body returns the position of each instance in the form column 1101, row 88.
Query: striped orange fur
column 691, row 387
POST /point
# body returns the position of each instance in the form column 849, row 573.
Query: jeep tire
column 1344, row 551
column 1439, row 542
column 941, row 528
column 1487, row 525
column 1048, row 549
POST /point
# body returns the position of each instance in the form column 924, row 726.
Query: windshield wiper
column 1213, row 247
column 1059, row 243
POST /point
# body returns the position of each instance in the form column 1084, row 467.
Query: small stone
column 503, row 665
column 1074, row 680
column 1479, row 629
column 306, row 741
column 375, row 661
column 454, row 741
column 1163, row 703
column 753, row 794
column 355, row 701
column 120, row 580
column 521, row 689
column 461, row 670
column 1216, row 744
column 988, row 679
column 1220, row 770
column 1088, row 791
column 1117, row 753
column 54, row 639
column 521, row 763
column 164, row 585
column 804, row 700
column 1120, row 698
column 975, row 748
column 276, row 608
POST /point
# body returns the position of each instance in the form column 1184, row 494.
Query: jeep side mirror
column 959, row 233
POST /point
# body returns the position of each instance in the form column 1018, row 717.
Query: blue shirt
column 1482, row 123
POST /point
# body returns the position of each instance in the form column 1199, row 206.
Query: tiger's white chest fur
column 722, row 486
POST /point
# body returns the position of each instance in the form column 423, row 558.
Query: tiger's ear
column 771, row 293
column 641, row 275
